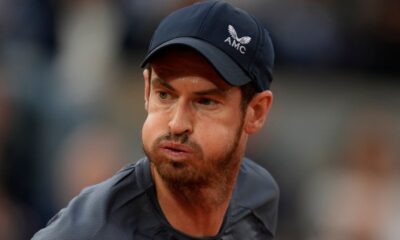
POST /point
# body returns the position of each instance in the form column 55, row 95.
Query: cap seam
column 258, row 55
column 258, row 43
column 206, row 16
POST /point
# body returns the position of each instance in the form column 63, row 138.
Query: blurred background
column 71, row 109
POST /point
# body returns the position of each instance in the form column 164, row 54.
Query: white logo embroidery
column 237, row 42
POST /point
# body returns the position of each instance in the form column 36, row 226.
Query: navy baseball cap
column 233, row 41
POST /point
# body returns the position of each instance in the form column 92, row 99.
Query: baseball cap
column 232, row 40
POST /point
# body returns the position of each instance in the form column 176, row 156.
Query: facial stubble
column 208, row 183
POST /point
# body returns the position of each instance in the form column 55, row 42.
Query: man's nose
column 181, row 119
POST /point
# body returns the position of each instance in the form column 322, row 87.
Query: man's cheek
column 152, row 128
column 147, row 132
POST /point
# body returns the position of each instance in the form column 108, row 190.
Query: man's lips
column 176, row 147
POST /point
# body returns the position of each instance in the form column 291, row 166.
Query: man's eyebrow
column 212, row 91
column 162, row 82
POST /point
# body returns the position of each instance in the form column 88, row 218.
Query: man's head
column 196, row 130
column 201, row 110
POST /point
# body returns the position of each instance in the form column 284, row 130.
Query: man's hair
column 248, row 92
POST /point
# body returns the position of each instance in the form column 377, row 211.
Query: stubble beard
column 206, row 185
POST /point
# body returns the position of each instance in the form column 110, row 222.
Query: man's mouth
column 176, row 147
column 175, row 150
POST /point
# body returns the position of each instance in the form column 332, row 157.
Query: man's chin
column 178, row 174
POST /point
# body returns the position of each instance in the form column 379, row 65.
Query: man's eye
column 163, row 95
column 206, row 101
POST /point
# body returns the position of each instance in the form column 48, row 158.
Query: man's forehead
column 179, row 62
column 197, row 83
column 198, row 89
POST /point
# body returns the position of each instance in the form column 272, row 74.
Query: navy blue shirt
column 125, row 207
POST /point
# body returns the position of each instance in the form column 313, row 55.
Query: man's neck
column 195, row 212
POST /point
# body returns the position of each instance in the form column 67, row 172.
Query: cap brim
column 224, row 65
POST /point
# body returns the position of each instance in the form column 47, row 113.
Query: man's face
column 193, row 134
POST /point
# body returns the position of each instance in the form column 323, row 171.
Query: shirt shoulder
column 256, row 193
column 88, row 212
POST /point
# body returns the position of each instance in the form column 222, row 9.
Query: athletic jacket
column 125, row 207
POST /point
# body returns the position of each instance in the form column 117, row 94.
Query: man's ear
column 146, row 77
column 257, row 111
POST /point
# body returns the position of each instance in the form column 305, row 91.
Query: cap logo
column 236, row 42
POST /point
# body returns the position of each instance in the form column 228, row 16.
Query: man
column 207, row 75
